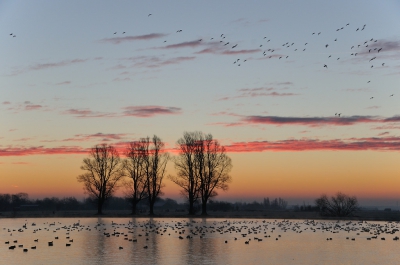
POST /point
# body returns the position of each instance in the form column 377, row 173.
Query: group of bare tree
column 202, row 167
column 339, row 205
column 142, row 172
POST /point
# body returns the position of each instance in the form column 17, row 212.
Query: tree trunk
column 151, row 208
column 134, row 208
column 191, row 208
column 203, row 207
column 100, row 207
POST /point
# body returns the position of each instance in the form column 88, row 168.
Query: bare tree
column 155, row 164
column 214, row 167
column 339, row 205
column 134, row 165
column 185, row 165
column 104, row 173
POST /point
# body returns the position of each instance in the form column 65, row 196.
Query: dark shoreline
column 359, row 216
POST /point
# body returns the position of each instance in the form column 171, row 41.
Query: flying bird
column 148, row 15
column 325, row 66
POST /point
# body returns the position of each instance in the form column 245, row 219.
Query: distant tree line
column 21, row 202
column 202, row 168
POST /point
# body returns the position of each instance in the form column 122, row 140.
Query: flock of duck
column 227, row 231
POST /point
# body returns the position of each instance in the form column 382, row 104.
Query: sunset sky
column 266, row 78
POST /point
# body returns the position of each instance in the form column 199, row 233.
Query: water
column 299, row 241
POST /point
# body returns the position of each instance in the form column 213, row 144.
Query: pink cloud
column 352, row 144
column 186, row 44
column 150, row 111
column 33, row 107
column 86, row 113
column 6, row 102
column 40, row 150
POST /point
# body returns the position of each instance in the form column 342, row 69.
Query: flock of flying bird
column 245, row 231
column 356, row 49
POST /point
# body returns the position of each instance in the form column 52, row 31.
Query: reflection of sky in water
column 299, row 242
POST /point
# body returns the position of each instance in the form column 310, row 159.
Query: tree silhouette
column 134, row 165
column 186, row 166
column 339, row 205
column 104, row 173
column 214, row 165
column 155, row 164
column 202, row 168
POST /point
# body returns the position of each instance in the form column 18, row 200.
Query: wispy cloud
column 20, row 163
column 63, row 83
column 384, row 45
column 257, row 92
column 104, row 137
column 6, row 103
column 87, row 113
column 387, row 127
column 150, row 111
column 42, row 66
column 352, row 144
column 185, row 44
column 33, row 107
column 152, row 61
column 308, row 121
column 316, row 121
column 118, row 40
column 373, row 107
column 25, row 106
column 41, row 150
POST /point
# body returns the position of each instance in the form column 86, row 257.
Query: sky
column 304, row 95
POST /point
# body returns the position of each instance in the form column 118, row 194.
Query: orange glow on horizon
column 255, row 175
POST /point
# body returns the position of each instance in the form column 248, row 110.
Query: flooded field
column 196, row 241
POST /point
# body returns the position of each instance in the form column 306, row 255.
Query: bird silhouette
column 325, row 66
column 149, row 15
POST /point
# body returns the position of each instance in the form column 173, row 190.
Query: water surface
column 197, row 241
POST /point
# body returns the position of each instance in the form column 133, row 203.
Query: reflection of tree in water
column 94, row 244
column 199, row 250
